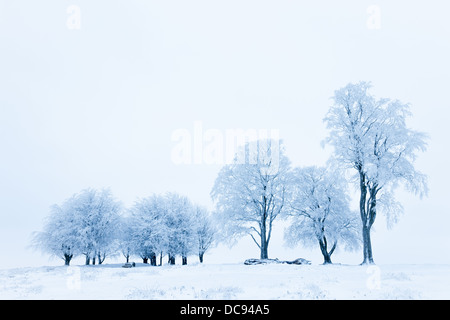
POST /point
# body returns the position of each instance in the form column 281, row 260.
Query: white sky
column 96, row 107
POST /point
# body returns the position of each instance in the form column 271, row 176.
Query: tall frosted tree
column 249, row 193
column 370, row 136
column 320, row 210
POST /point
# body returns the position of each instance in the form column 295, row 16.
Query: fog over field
column 146, row 98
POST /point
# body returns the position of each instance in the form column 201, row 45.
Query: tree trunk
column 368, row 258
column 200, row 257
column 264, row 251
column 100, row 259
column 367, row 222
column 88, row 260
column 367, row 219
column 153, row 259
column 264, row 243
column 160, row 259
column 145, row 260
column 171, row 259
column 184, row 260
column 324, row 250
column 67, row 258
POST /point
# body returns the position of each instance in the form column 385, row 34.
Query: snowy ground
column 227, row 281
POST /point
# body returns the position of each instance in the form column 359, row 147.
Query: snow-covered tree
column 320, row 212
column 125, row 237
column 180, row 223
column 60, row 235
column 371, row 137
column 163, row 223
column 205, row 230
column 85, row 223
column 147, row 226
column 97, row 218
column 249, row 194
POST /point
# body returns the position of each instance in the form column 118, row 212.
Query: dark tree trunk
column 145, row 260
column 153, row 259
column 367, row 217
column 264, row 251
column 200, row 257
column 370, row 215
column 100, row 258
column 67, row 258
column 93, row 260
column 184, row 260
column 323, row 248
column 160, row 258
column 264, row 242
column 367, row 243
column 327, row 259
column 171, row 259
column 88, row 260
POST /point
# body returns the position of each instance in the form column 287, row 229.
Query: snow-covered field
column 227, row 281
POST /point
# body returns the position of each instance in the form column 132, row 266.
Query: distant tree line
column 94, row 224
column 373, row 149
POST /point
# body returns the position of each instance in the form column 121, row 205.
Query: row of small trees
column 94, row 224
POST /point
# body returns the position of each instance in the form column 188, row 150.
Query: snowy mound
column 266, row 261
